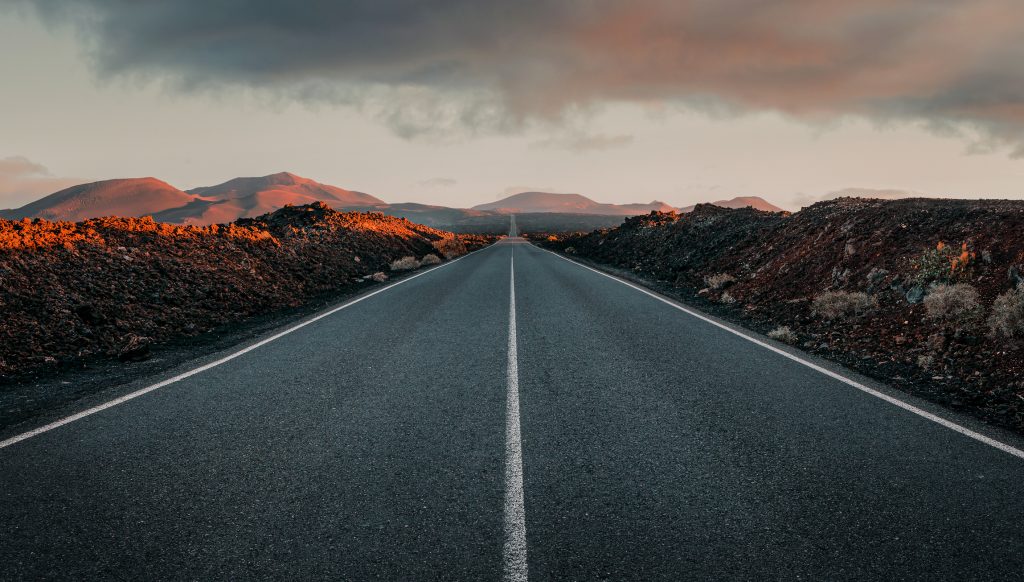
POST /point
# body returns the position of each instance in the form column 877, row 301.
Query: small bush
column 1007, row 318
column 837, row 304
column 719, row 281
column 450, row 247
column 925, row 362
column 379, row 277
column 954, row 306
column 430, row 259
column 727, row 298
column 783, row 334
column 405, row 264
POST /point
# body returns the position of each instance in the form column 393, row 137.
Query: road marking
column 515, row 510
column 891, row 400
column 133, row 395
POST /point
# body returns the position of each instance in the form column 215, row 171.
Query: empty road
column 511, row 415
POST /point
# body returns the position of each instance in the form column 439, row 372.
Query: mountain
column 284, row 188
column 122, row 197
column 755, row 202
column 255, row 196
column 234, row 199
column 525, row 202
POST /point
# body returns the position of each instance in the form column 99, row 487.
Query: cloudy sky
column 458, row 102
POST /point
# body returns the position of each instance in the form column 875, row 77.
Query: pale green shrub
column 719, row 281
column 783, row 334
column 954, row 306
column 838, row 304
column 1007, row 317
column 405, row 264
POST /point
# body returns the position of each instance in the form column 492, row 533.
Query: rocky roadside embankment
column 114, row 287
column 927, row 295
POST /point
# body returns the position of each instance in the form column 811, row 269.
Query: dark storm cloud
column 953, row 64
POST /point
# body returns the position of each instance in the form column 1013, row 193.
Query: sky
column 460, row 102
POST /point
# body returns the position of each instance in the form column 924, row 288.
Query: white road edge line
column 515, row 510
column 133, row 395
column 891, row 400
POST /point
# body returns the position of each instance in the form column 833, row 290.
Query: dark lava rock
column 71, row 291
column 915, row 295
column 782, row 262
column 88, row 314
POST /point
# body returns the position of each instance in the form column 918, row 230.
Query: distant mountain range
column 238, row 198
column 249, row 197
column 526, row 202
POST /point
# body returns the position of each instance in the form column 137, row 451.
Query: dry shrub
column 450, row 247
column 1007, row 317
column 727, row 298
column 837, row 304
column 430, row 259
column 405, row 264
column 379, row 277
column 719, row 281
column 783, row 334
column 954, row 306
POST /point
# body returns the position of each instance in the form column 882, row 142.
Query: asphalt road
column 385, row 441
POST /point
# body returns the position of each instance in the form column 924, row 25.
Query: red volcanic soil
column 886, row 249
column 111, row 287
column 123, row 197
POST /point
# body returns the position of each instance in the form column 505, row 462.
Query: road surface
column 508, row 415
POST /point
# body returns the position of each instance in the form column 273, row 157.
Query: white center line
column 515, row 511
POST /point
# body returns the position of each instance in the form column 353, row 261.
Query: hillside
column 428, row 214
column 223, row 203
column 248, row 197
column 921, row 293
column 112, row 287
column 121, row 197
column 755, row 202
column 881, row 194
column 527, row 202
